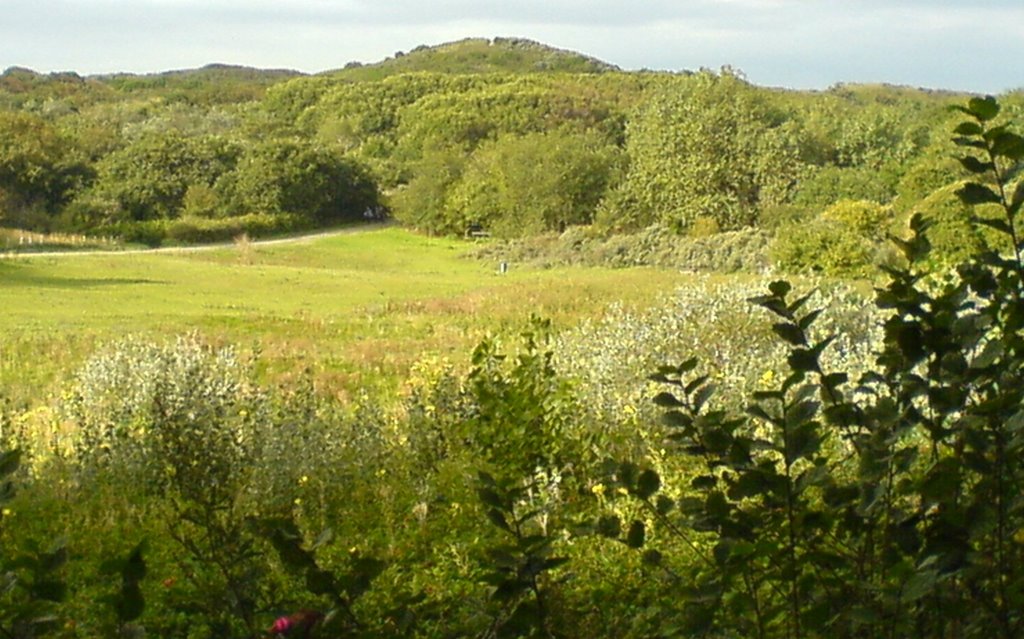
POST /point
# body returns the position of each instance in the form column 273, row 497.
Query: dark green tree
column 292, row 176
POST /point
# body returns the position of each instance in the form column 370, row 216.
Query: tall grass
column 358, row 310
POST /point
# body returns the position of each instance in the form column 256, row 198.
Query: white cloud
column 939, row 43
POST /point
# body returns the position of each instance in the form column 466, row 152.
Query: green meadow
column 357, row 308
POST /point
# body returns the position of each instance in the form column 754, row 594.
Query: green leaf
column 627, row 473
column 773, row 304
column 9, row 461
column 609, row 526
column 498, row 518
column 652, row 557
column 989, row 355
column 755, row 410
column 553, row 562
column 54, row 559
column 799, row 303
column 637, row 535
column 687, row 366
column 502, row 557
column 134, row 569
column 490, row 498
column 130, row 604
column 807, row 320
column 835, row 380
column 676, row 419
column 1017, row 199
column 791, row 333
column 993, row 223
column 984, row 109
column 1016, row 422
column 695, row 384
column 721, row 552
column 974, row 165
column 664, row 505
column 973, row 193
column 648, row 484
column 50, row 590
column 802, row 360
column 801, row 411
column 704, row 482
column 667, row 400
column 749, row 484
column 968, row 128
column 803, row 441
column 325, row 537
column 780, row 288
column 702, row 396
column 941, row 481
column 1008, row 145
column 321, row 582
column 970, row 142
column 920, row 585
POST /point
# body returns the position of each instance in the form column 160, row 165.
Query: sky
column 971, row 45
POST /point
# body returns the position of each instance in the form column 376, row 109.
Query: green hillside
column 478, row 55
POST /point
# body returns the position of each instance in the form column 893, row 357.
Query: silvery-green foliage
column 745, row 250
column 711, row 319
column 181, row 412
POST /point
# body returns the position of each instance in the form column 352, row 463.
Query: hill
column 213, row 83
column 478, row 55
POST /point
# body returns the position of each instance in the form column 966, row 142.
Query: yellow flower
column 598, row 489
column 303, row 480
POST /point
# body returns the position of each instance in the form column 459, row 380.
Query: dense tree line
column 514, row 151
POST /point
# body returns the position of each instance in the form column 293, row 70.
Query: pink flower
column 281, row 626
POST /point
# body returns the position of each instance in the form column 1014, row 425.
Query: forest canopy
column 506, row 135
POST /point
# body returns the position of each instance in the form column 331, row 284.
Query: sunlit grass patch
column 358, row 309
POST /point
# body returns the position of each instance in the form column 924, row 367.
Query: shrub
column 822, row 248
column 847, row 240
column 180, row 414
column 195, row 230
column 864, row 217
column 705, row 318
column 951, row 234
column 728, row 252
column 829, row 184
column 841, row 505
column 927, row 175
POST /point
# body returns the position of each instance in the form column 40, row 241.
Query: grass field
column 357, row 308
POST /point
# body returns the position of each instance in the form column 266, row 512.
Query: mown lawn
column 358, row 309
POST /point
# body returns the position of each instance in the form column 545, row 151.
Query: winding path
column 295, row 239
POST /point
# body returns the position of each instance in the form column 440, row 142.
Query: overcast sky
column 971, row 45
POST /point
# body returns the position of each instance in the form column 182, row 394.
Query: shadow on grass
column 16, row 277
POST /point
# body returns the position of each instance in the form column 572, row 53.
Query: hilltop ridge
column 478, row 55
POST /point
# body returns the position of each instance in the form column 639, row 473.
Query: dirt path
column 297, row 239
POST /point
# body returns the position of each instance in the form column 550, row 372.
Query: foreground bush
column 884, row 505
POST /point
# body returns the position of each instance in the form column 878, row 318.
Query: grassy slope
column 478, row 55
column 358, row 309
